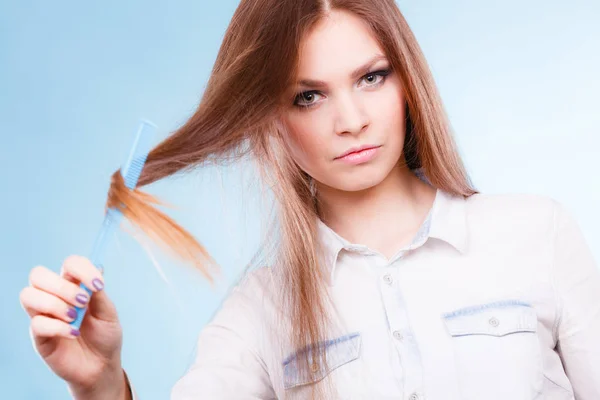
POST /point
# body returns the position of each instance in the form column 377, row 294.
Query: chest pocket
column 496, row 350
column 339, row 351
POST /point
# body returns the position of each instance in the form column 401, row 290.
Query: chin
column 359, row 183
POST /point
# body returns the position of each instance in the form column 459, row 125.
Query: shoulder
column 256, row 280
column 507, row 204
column 246, row 306
column 254, row 292
column 513, row 214
column 530, row 207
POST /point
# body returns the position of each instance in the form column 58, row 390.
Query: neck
column 384, row 217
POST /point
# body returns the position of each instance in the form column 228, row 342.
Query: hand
column 85, row 358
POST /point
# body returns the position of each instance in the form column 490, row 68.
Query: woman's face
column 358, row 102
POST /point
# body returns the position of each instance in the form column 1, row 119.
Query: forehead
column 337, row 44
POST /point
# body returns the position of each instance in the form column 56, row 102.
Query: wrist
column 113, row 385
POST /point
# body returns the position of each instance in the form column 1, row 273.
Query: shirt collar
column 446, row 221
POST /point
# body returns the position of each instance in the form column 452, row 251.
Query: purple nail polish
column 74, row 332
column 82, row 298
column 98, row 284
column 72, row 313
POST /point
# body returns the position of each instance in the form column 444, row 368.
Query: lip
column 357, row 149
column 359, row 155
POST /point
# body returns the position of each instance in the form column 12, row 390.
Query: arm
column 577, row 282
column 228, row 362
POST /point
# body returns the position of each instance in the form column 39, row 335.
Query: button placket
column 388, row 279
column 400, row 329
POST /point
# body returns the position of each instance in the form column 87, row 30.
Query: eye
column 306, row 99
column 374, row 75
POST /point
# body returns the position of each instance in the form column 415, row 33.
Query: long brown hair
column 238, row 115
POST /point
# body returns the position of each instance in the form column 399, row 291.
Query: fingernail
column 98, row 284
column 74, row 332
column 82, row 298
column 72, row 313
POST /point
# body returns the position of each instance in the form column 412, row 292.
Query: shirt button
column 387, row 278
column 314, row 367
column 414, row 396
column 398, row 335
column 494, row 322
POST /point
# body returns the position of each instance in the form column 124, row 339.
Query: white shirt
column 498, row 297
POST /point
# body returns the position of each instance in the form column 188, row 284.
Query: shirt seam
column 557, row 298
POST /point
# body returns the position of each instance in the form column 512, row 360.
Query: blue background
column 519, row 81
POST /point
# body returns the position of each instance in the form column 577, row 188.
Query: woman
column 393, row 278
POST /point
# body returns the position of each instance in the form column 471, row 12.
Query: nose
column 351, row 117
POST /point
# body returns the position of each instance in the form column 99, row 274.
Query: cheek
column 391, row 117
column 306, row 145
column 390, row 105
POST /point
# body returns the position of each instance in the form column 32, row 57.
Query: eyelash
column 383, row 73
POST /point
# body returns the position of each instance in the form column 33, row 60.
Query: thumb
column 101, row 306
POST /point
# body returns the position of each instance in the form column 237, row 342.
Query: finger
column 44, row 327
column 49, row 281
column 65, row 275
column 84, row 271
column 35, row 301
column 100, row 306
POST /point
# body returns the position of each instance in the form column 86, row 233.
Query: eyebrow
column 358, row 72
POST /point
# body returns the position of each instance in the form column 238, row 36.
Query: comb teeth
column 134, row 171
column 142, row 145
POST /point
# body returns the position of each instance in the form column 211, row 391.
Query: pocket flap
column 495, row 319
column 338, row 351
